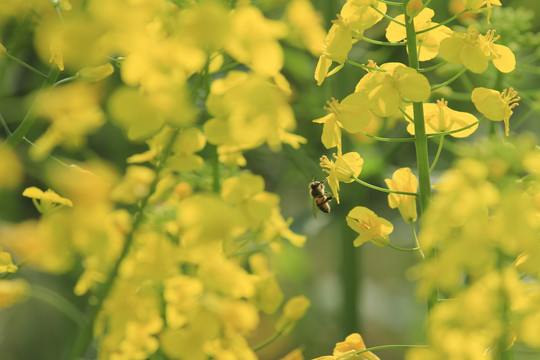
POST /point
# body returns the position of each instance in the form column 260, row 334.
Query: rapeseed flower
column 496, row 106
column 343, row 169
column 474, row 51
column 46, row 201
column 386, row 89
column 403, row 180
column 369, row 226
column 11, row 170
column 306, row 28
column 440, row 118
column 427, row 43
column 347, row 350
column 12, row 292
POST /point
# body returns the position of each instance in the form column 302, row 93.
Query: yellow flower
column 134, row 186
column 386, row 89
column 440, row 118
column 12, row 291
column 427, row 43
column 47, row 201
column 494, row 105
column 352, row 114
column 306, row 26
column 369, row 226
column 343, row 169
column 11, row 170
column 477, row 4
column 474, row 51
column 95, row 73
column 347, row 350
column 403, row 180
column 6, row 262
column 294, row 310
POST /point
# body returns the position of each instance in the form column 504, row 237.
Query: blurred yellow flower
column 347, row 350
column 496, row 106
column 95, row 73
column 13, row 291
column 46, row 201
column 6, row 262
column 369, row 226
column 306, row 29
column 11, row 170
column 403, row 180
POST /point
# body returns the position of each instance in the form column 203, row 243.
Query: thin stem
column 391, row 3
column 374, row 348
column 416, row 242
column 388, row 191
column 408, row 139
column 59, row 302
column 4, row 125
column 447, row 82
column 457, row 130
column 63, row 81
column 400, row 248
column 268, row 341
column 17, row 136
column 439, row 150
column 363, row 66
column 85, row 335
column 29, row 67
column 59, row 14
column 387, row 16
column 383, row 43
column 443, row 23
column 406, row 115
column 431, row 68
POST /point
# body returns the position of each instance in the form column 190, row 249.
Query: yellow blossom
column 475, row 51
column 95, row 73
column 73, row 111
column 306, row 26
column 477, row 4
column 46, row 201
column 343, row 169
column 369, row 226
column 496, row 106
column 6, row 262
column 347, row 350
column 11, row 170
column 386, row 89
column 428, row 42
column 134, row 186
column 440, row 118
column 12, row 291
column 403, row 180
column 187, row 143
column 293, row 311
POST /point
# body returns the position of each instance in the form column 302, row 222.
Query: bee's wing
column 315, row 211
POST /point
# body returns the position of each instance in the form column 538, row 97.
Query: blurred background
column 364, row 289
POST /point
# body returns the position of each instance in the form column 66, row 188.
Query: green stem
column 363, row 66
column 382, row 347
column 4, row 125
column 31, row 68
column 66, row 80
column 268, row 341
column 443, row 23
column 408, row 139
column 387, row 16
column 422, row 159
column 400, row 248
column 85, row 335
column 457, row 130
column 434, row 67
column 17, row 136
column 391, row 3
column 383, row 43
column 383, row 189
column 59, row 302
column 417, row 243
column 439, row 150
column 447, row 82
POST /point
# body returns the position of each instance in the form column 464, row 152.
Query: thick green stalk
column 420, row 133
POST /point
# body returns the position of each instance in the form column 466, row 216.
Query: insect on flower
column 320, row 200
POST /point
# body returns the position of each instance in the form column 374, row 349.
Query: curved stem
column 4, row 125
column 22, row 63
column 383, row 189
column 443, row 23
column 441, row 142
column 85, row 335
column 23, row 128
column 391, row 3
column 400, row 248
column 447, row 82
column 59, row 302
column 383, row 43
column 409, row 139
column 363, row 66
column 417, row 243
column 431, row 68
column 387, row 16
column 390, row 347
column 63, row 81
column 268, row 341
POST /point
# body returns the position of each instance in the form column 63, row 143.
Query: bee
column 320, row 200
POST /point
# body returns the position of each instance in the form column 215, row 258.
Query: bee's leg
column 326, row 200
